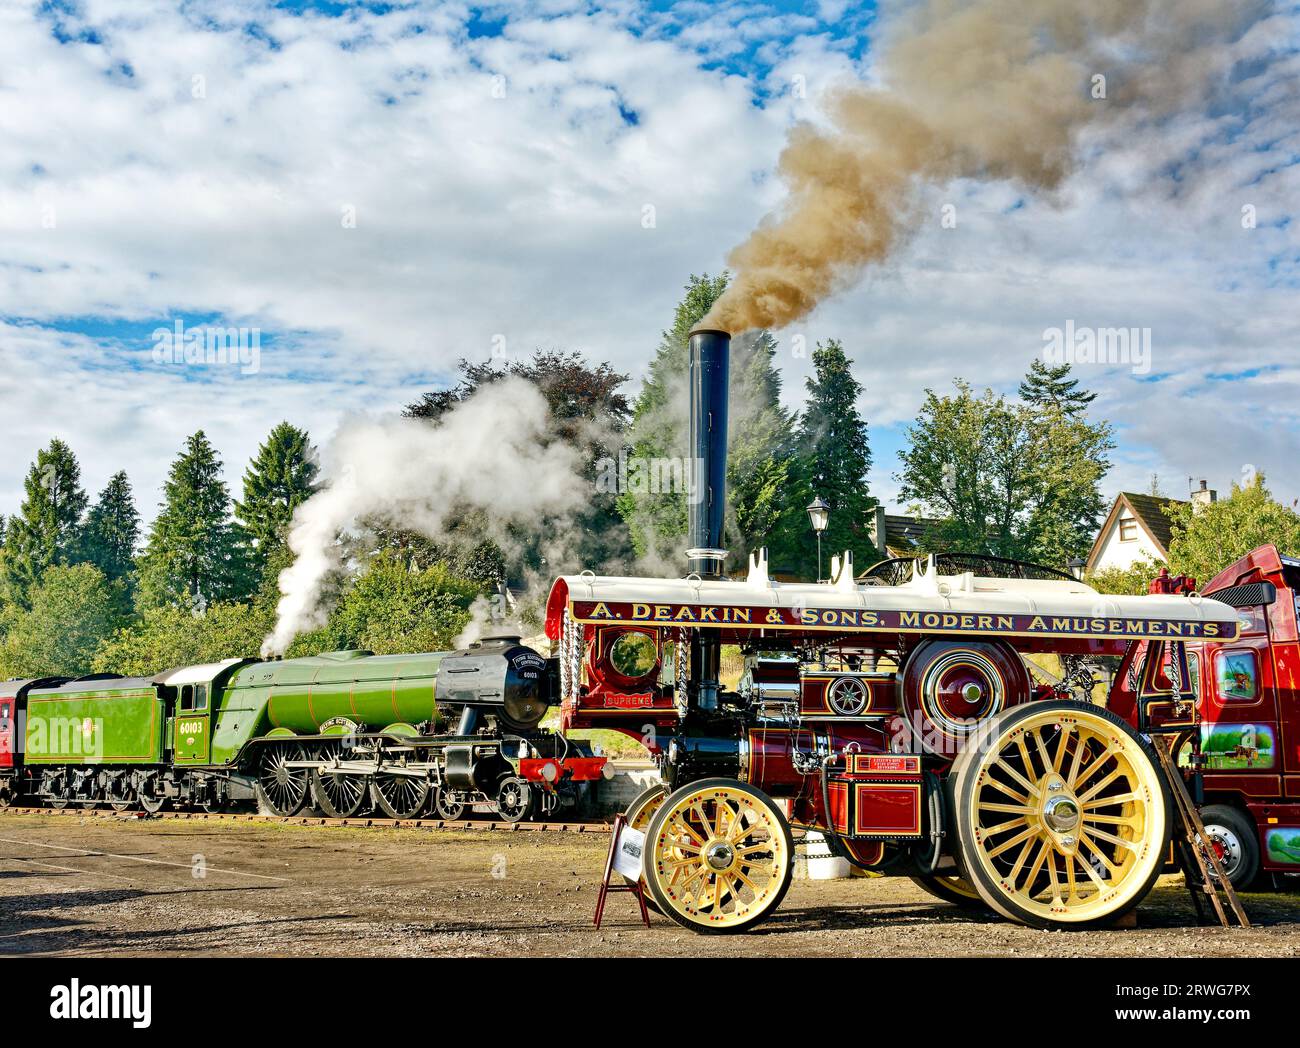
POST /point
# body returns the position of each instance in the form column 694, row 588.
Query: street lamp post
column 819, row 514
column 1077, row 564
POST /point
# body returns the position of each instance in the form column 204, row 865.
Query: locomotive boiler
column 902, row 720
column 341, row 732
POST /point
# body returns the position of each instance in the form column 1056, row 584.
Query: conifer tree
column 281, row 476
column 113, row 529
column 47, row 528
column 834, row 456
column 193, row 556
column 760, row 441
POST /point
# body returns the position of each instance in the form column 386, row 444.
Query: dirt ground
column 94, row 886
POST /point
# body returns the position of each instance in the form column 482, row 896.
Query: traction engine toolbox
column 877, row 795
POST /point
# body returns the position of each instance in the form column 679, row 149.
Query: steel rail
column 320, row 820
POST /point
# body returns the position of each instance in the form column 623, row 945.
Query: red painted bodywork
column 574, row 769
column 8, row 723
column 1269, row 793
column 1252, row 681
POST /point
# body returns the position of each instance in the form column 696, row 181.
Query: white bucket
column 822, row 865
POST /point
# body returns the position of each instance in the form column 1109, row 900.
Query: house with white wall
column 1138, row 528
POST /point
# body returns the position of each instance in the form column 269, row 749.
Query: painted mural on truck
column 1284, row 845
column 1237, row 747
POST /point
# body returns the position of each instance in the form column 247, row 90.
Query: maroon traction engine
column 901, row 721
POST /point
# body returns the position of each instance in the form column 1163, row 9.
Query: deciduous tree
column 73, row 610
column 1205, row 542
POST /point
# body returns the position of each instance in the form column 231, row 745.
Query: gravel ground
column 96, row 886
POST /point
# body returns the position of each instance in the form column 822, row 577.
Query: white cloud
column 522, row 216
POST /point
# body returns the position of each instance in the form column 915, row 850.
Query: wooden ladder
column 1194, row 848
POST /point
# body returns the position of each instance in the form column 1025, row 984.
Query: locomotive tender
column 901, row 721
column 342, row 731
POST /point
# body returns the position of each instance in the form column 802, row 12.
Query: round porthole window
column 633, row 655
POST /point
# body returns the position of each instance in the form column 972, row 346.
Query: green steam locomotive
column 343, row 732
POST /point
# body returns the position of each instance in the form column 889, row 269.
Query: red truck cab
column 1248, row 701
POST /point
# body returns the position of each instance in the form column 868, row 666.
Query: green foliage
column 193, row 557
column 113, row 529
column 281, row 476
column 167, row 635
column 73, row 608
column 1072, row 454
column 1133, row 581
column 970, row 465
column 832, row 461
column 391, row 609
column 47, row 529
column 1206, row 542
column 1020, row 480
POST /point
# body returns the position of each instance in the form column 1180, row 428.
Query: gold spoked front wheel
column 1061, row 815
column 719, row 856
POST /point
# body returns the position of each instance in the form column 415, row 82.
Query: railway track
column 319, row 820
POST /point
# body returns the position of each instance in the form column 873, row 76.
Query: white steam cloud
column 495, row 452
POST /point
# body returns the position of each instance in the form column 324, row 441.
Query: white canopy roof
column 916, row 604
column 202, row 674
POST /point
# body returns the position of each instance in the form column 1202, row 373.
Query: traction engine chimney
column 710, row 352
column 709, row 365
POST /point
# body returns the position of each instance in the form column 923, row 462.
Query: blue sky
column 382, row 189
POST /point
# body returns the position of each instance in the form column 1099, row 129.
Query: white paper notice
column 629, row 852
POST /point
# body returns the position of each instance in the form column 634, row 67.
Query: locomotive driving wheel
column 719, row 856
column 282, row 790
column 399, row 796
column 338, row 796
column 1061, row 815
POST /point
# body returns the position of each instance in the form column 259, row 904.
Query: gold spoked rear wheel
column 1061, row 815
column 950, row 887
column 719, row 856
column 638, row 816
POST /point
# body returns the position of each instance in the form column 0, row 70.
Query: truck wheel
column 1234, row 841
column 1061, row 815
column 719, row 856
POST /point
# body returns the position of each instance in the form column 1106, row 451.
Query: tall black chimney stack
column 710, row 352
